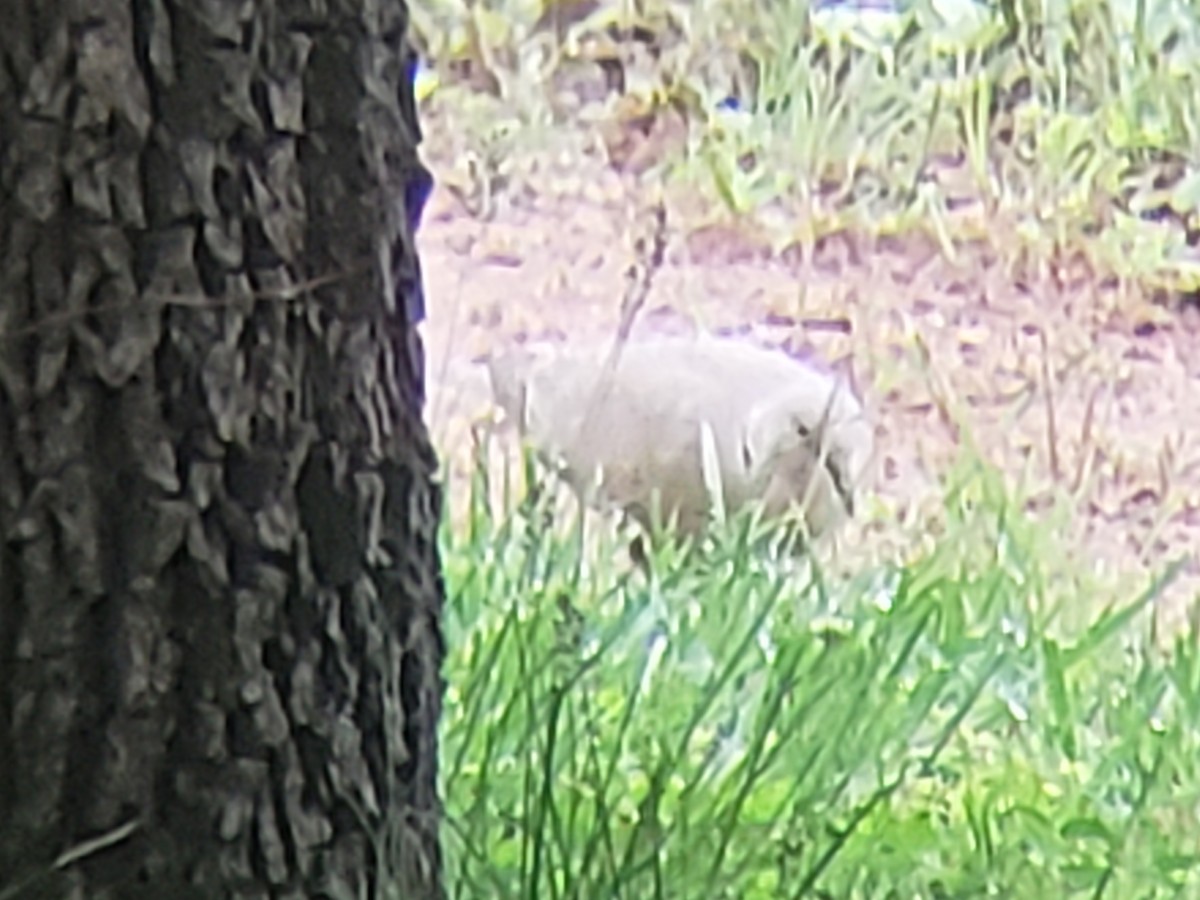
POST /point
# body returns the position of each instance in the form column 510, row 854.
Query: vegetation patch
column 989, row 212
column 735, row 726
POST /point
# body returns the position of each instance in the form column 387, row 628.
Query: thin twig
column 639, row 278
column 1051, row 417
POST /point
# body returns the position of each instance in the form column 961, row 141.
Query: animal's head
column 808, row 448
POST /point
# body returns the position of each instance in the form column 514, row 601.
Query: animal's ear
column 842, row 484
column 767, row 424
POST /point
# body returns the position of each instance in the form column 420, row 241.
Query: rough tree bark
column 219, row 587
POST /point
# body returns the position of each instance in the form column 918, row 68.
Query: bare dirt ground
column 1086, row 398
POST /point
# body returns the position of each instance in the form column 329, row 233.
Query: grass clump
column 736, row 727
column 1047, row 129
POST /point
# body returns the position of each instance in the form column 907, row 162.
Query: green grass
column 1064, row 126
column 972, row 722
column 738, row 728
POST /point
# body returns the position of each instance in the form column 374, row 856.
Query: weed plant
column 734, row 726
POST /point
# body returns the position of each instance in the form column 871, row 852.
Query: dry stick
column 939, row 393
column 1051, row 418
column 639, row 278
column 70, row 857
column 822, row 460
column 1088, row 451
column 1165, row 510
column 1166, row 460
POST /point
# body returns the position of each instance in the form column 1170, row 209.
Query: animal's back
column 633, row 427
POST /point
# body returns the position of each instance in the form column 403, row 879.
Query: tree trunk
column 220, row 593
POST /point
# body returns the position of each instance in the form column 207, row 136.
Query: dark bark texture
column 220, row 595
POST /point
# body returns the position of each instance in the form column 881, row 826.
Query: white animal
column 679, row 424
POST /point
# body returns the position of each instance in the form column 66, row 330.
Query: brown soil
column 1086, row 397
